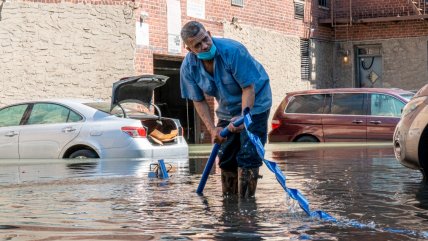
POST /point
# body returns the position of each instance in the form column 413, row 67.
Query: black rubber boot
column 229, row 182
column 247, row 181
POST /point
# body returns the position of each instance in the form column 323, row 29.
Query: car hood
column 136, row 89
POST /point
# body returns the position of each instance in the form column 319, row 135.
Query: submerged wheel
column 307, row 139
column 423, row 154
column 85, row 153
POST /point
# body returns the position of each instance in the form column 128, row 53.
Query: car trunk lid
column 136, row 89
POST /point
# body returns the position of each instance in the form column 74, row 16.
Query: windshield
column 131, row 109
column 407, row 96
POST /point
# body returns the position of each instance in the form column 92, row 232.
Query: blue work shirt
column 234, row 69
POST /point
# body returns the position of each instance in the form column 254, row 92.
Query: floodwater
column 116, row 200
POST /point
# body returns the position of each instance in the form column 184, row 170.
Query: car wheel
column 83, row 154
column 307, row 139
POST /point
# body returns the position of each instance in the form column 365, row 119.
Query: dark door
column 346, row 118
column 168, row 97
column 369, row 67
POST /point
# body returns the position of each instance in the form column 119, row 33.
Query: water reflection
column 115, row 199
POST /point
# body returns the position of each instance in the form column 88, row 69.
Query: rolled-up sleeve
column 188, row 86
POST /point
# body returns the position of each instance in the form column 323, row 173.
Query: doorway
column 168, row 97
column 369, row 67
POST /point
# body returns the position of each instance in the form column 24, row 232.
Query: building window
column 239, row 3
column 323, row 3
column 304, row 60
column 299, row 9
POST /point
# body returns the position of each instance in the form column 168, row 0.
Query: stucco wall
column 321, row 53
column 279, row 54
column 404, row 62
column 63, row 50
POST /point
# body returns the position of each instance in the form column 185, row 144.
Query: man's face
column 200, row 43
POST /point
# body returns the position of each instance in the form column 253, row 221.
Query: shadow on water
column 116, row 200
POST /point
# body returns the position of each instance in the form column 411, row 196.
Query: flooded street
column 116, row 200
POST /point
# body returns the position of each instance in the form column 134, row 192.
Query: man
column 224, row 68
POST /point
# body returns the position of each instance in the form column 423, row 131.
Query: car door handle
column 68, row 129
column 376, row 122
column 11, row 133
column 357, row 121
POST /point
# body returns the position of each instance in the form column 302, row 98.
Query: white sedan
column 124, row 128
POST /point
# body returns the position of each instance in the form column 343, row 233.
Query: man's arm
column 204, row 112
column 248, row 97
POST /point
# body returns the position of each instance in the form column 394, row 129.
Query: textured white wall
column 63, row 50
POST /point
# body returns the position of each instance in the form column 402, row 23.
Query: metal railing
column 420, row 6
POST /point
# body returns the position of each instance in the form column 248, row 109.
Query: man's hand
column 215, row 135
column 234, row 129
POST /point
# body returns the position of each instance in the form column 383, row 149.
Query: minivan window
column 347, row 104
column 385, row 105
column 306, row 104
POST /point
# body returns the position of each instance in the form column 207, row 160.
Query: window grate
column 304, row 61
column 299, row 10
column 323, row 3
column 239, row 3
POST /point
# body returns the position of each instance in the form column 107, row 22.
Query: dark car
column 411, row 134
column 336, row 115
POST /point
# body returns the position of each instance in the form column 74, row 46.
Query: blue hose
column 224, row 133
column 280, row 177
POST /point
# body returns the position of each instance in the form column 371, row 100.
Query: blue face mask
column 209, row 55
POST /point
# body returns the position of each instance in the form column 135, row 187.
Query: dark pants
column 238, row 150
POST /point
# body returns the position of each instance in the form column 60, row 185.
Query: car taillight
column 275, row 124
column 180, row 131
column 135, row 132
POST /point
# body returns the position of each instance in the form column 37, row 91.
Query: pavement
column 198, row 149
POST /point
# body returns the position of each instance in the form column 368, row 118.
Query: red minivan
column 338, row 115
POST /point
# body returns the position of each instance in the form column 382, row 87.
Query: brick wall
column 371, row 9
column 277, row 15
column 382, row 30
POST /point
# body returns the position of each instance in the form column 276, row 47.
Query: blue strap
column 303, row 202
column 273, row 167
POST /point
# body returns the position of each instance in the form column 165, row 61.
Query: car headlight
column 412, row 105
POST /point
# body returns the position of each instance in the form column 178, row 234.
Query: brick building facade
column 78, row 49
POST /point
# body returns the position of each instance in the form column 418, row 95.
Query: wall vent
column 304, row 61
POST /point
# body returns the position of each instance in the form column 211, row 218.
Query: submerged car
column 338, row 115
column 65, row 128
column 411, row 133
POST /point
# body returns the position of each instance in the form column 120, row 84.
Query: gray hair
column 190, row 29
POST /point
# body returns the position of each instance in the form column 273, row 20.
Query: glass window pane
column 46, row 113
column 348, row 104
column 385, row 105
column 12, row 116
column 74, row 117
column 309, row 104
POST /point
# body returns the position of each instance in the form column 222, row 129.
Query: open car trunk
column 133, row 95
column 162, row 132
